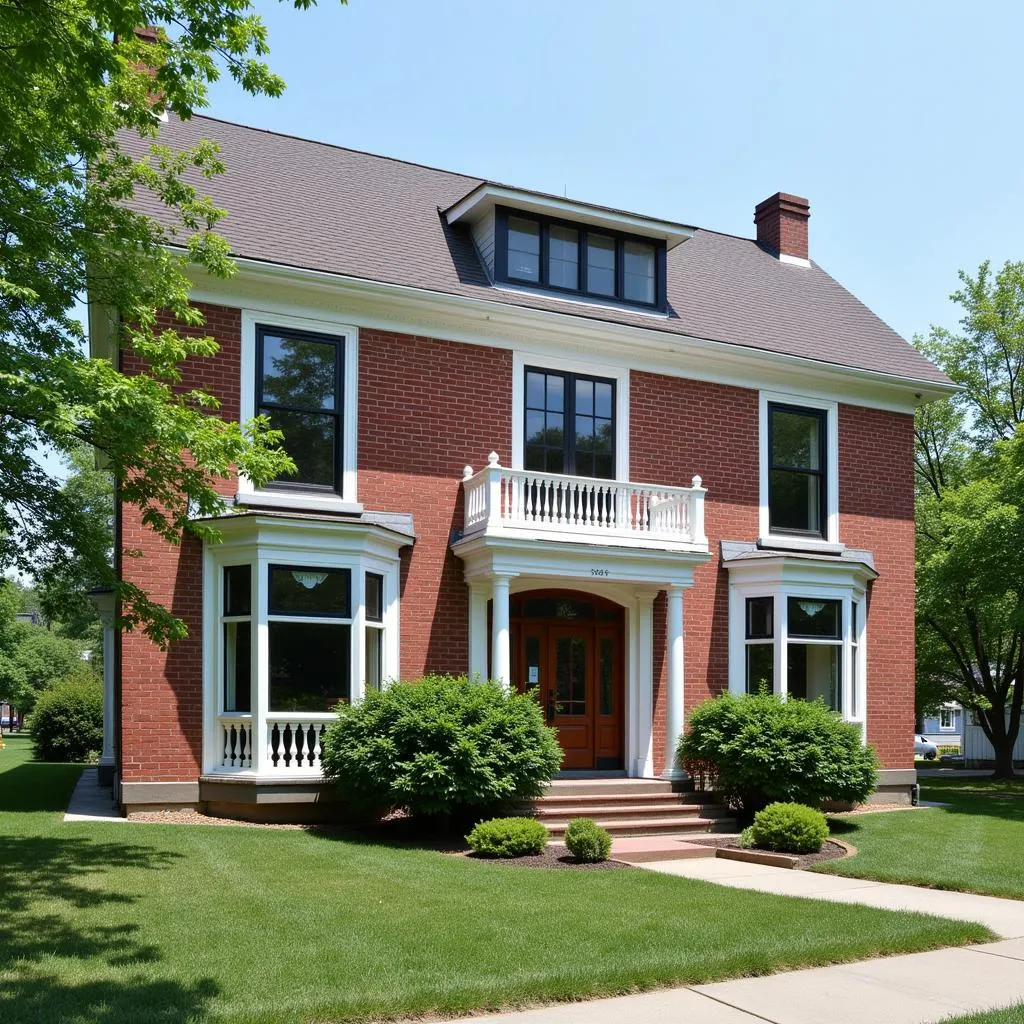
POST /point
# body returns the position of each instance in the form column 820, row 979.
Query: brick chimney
column 782, row 225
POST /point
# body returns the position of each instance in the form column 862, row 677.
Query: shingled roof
column 299, row 203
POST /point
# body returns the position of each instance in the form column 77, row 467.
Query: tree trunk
column 1004, row 758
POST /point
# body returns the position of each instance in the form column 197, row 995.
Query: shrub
column 440, row 746
column 587, row 841
column 764, row 749
column 508, row 837
column 789, row 828
column 67, row 723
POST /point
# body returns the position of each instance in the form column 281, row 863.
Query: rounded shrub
column 508, row 837
column 67, row 721
column 789, row 828
column 587, row 841
column 440, row 746
column 761, row 749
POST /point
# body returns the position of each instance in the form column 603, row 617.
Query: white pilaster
column 261, row 758
column 674, row 702
column 105, row 604
column 643, row 765
column 478, row 630
column 501, row 662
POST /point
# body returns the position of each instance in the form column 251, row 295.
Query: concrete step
column 595, row 787
column 644, row 849
column 628, row 799
column 631, row 809
column 650, row 826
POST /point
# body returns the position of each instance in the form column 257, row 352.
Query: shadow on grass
column 38, row 786
column 48, row 886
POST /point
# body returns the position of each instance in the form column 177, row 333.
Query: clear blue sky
column 899, row 121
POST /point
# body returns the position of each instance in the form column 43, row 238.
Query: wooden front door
column 575, row 669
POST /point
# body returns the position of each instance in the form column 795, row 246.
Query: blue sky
column 899, row 121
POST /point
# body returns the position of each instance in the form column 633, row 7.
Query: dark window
column 374, row 597
column 374, row 657
column 760, row 668
column 238, row 666
column 570, row 424
column 796, row 470
column 814, row 619
column 299, row 590
column 299, row 387
column 760, row 612
column 310, row 665
column 569, row 258
column 237, row 590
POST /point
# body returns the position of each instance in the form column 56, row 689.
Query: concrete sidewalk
column 1004, row 917
column 90, row 801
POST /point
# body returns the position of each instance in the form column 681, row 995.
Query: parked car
column 922, row 748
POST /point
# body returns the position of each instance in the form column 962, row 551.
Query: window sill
column 299, row 501
column 807, row 544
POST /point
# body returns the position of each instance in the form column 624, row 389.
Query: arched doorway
column 569, row 649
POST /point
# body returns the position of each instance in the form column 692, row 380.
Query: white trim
column 285, row 290
column 830, row 543
column 793, row 261
column 522, row 358
column 323, row 322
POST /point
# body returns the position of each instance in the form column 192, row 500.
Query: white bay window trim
column 245, row 744
column 830, row 542
column 323, row 322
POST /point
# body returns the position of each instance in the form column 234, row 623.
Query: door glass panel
column 571, row 675
column 607, row 676
column 532, row 679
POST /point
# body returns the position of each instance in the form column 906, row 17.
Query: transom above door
column 568, row 650
column 569, row 424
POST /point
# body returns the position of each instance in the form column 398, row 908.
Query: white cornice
column 289, row 290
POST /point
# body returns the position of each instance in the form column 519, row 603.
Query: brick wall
column 161, row 691
column 428, row 408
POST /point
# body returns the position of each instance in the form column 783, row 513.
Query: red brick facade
column 426, row 409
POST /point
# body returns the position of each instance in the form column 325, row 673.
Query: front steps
column 631, row 807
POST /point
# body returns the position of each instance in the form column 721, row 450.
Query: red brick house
column 624, row 463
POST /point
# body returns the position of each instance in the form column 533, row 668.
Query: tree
column 75, row 76
column 970, row 512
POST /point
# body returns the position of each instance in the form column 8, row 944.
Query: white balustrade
column 235, row 749
column 295, row 742
column 503, row 499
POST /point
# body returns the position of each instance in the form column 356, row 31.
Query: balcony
column 551, row 507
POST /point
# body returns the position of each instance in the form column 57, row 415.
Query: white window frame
column 540, row 360
column 830, row 542
column 854, row 704
column 952, row 720
column 315, row 500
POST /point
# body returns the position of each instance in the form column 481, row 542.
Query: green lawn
column 1011, row 1015
column 128, row 924
column 974, row 844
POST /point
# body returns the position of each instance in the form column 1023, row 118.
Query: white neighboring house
column 977, row 750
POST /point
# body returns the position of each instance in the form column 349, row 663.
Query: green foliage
column 765, row 749
column 789, row 828
column 508, row 837
column 67, row 723
column 75, row 85
column 587, row 841
column 746, row 839
column 440, row 746
column 970, row 512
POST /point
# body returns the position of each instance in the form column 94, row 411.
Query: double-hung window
column 760, row 644
column 374, row 606
column 236, row 629
column 797, row 471
column 300, row 387
column 570, row 424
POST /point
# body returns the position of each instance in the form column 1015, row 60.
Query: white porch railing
column 513, row 500
column 292, row 743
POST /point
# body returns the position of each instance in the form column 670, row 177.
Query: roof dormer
column 591, row 253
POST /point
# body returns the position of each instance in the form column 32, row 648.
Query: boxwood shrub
column 66, row 723
column 763, row 749
column 788, row 828
column 508, row 837
column 440, row 746
column 587, row 841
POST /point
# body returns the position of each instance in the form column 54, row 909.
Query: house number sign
column 600, row 572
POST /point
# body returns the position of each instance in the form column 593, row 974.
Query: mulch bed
column 552, row 857
column 830, row 851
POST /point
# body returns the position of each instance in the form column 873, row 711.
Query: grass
column 974, row 844
column 1011, row 1015
column 130, row 923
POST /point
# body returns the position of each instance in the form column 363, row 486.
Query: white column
column 501, row 666
column 478, row 630
column 105, row 603
column 261, row 761
column 643, row 765
column 674, row 702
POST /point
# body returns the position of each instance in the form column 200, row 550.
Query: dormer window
column 534, row 250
